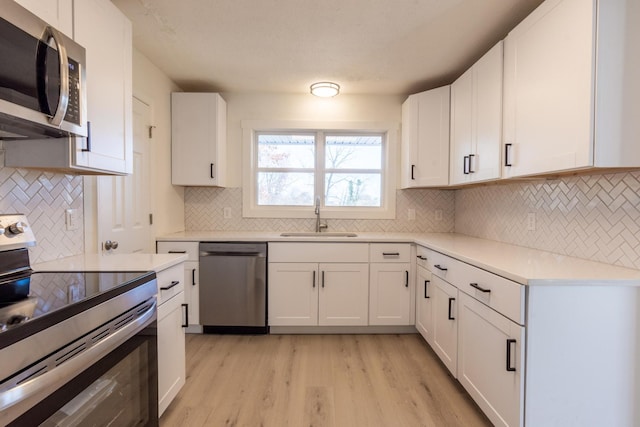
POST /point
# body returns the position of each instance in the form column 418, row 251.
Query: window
column 348, row 169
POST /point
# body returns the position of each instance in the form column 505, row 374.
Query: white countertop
column 112, row 262
column 523, row 265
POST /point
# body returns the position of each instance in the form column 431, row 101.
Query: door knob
column 108, row 245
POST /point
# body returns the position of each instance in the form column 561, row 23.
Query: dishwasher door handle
column 244, row 254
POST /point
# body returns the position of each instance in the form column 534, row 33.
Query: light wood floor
column 318, row 380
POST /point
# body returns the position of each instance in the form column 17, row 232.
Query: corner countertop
column 112, row 262
column 526, row 266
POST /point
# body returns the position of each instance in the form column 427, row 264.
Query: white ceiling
column 367, row 46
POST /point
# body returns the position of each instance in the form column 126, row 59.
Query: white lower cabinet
column 327, row 294
column 424, row 304
column 491, row 361
column 445, row 322
column 390, row 294
column 171, row 342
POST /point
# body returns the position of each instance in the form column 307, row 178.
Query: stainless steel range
column 75, row 346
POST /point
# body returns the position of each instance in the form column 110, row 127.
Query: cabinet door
column 58, row 13
column 424, row 304
column 461, row 127
column 491, row 361
column 548, row 89
column 106, row 35
column 192, row 291
column 293, row 294
column 445, row 323
column 171, row 351
column 390, row 290
column 344, row 295
column 198, row 139
column 425, row 139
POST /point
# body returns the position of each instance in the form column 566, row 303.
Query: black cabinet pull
column 475, row 285
column 173, row 284
column 186, row 316
column 507, row 154
column 471, row 156
column 451, row 300
column 193, row 277
column 313, row 280
column 465, row 165
column 406, row 278
column 426, row 282
column 390, row 253
column 439, row 267
column 323, row 279
column 509, row 367
column 413, row 168
column 211, row 171
column 424, row 258
column 88, row 137
column 177, row 252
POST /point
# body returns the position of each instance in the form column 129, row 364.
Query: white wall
column 153, row 87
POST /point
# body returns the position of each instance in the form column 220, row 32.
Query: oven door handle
column 16, row 401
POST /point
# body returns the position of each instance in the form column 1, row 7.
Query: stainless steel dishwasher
column 233, row 287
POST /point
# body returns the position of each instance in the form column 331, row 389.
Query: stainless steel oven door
column 111, row 383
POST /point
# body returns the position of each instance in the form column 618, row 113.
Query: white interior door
column 124, row 205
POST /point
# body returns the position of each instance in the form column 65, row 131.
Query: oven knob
column 17, row 228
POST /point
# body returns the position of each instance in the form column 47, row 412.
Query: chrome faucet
column 319, row 226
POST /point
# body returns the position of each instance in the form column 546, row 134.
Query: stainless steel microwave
column 42, row 78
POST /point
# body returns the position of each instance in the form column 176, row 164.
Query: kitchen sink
column 312, row 234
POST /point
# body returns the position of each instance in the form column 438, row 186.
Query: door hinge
column 151, row 128
column 150, row 219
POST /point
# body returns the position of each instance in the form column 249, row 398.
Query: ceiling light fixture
column 325, row 89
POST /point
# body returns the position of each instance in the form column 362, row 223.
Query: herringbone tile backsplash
column 595, row 217
column 44, row 197
column 204, row 211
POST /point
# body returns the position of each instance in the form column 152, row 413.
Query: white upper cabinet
column 198, row 139
column 476, row 121
column 105, row 33
column 58, row 13
column 571, row 94
column 425, row 139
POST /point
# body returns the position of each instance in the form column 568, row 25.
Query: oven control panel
column 15, row 232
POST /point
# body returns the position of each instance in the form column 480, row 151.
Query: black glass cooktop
column 55, row 296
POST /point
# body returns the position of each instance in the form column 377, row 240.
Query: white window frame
column 387, row 210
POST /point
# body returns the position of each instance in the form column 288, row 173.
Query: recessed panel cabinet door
column 344, row 296
column 293, row 294
column 424, row 304
column 390, row 294
column 445, row 323
column 491, row 361
column 58, row 13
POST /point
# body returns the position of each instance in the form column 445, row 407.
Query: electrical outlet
column 71, row 219
column 411, row 214
column 226, row 212
column 438, row 214
column 531, row 221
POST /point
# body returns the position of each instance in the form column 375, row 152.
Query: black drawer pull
column 413, row 169
column 426, row 282
column 173, row 284
column 507, row 154
column 451, row 300
column 406, row 278
column 186, row 316
column 323, row 278
column 313, row 280
column 211, row 171
column 193, row 277
column 390, row 253
column 423, row 258
column 471, row 156
column 476, row 286
column 439, row 267
column 509, row 367
column 177, row 252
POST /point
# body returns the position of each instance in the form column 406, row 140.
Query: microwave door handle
column 63, row 100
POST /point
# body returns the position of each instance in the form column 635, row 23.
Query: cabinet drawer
column 390, row 252
column 189, row 248
column 503, row 295
column 318, row 252
column 443, row 266
column 422, row 256
column 170, row 282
